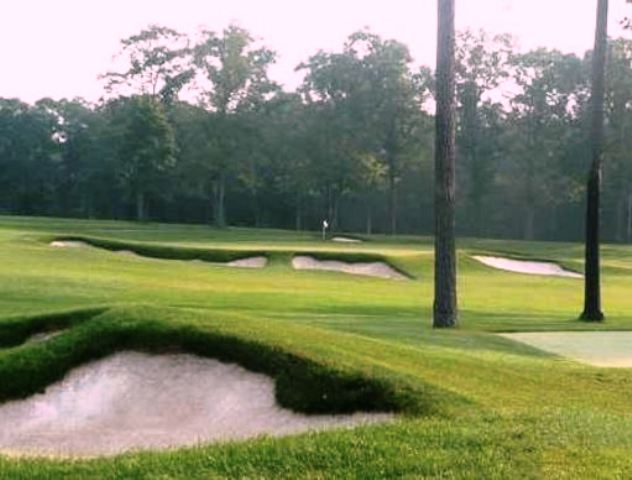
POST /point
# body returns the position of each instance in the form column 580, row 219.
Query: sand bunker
column 529, row 267
column 250, row 262
column 138, row 401
column 346, row 240
column 372, row 269
column 68, row 244
column 600, row 349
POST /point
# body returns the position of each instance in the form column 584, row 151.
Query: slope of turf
column 472, row 404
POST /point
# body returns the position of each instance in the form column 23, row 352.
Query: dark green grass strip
column 15, row 330
column 168, row 252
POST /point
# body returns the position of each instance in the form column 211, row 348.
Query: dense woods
column 194, row 130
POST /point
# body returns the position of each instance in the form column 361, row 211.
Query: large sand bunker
column 372, row 269
column 600, row 349
column 527, row 266
column 138, row 401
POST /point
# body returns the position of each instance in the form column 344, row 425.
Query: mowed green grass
column 485, row 407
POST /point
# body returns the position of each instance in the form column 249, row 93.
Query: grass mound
column 303, row 384
column 15, row 330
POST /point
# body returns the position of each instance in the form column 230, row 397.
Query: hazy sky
column 58, row 48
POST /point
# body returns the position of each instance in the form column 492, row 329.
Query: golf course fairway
column 467, row 403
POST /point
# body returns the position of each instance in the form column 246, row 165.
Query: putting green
column 600, row 349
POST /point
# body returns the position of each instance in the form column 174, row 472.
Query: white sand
column 138, row 401
column 529, row 267
column 68, row 244
column 600, row 349
column 372, row 269
column 250, row 262
column 346, row 240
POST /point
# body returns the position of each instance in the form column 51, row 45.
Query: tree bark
column 140, row 206
column 592, row 286
column 298, row 214
column 529, row 222
column 219, row 189
column 392, row 203
column 445, row 312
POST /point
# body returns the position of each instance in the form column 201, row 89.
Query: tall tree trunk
column 529, row 222
column 369, row 217
column 392, row 203
column 335, row 221
column 256, row 207
column 140, row 205
column 445, row 312
column 332, row 207
column 592, row 287
column 298, row 220
column 219, row 189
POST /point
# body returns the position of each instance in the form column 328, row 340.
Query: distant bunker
column 371, row 269
column 136, row 401
column 527, row 266
column 258, row 261
column 599, row 349
column 343, row 239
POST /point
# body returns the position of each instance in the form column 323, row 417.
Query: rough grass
column 473, row 405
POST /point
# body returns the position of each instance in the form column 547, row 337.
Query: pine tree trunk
column 298, row 220
column 445, row 313
column 529, row 223
column 592, row 287
column 140, row 206
column 392, row 204
column 219, row 188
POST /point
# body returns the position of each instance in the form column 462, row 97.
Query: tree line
column 192, row 129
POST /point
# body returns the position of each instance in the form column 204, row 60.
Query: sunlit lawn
column 487, row 407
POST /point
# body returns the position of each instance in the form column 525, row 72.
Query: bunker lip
column 378, row 269
column 607, row 349
column 529, row 267
column 138, row 401
column 44, row 336
column 69, row 244
column 251, row 261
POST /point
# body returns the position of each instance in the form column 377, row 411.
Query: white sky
column 58, row 48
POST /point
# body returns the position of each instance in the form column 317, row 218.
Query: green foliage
column 157, row 65
column 352, row 144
